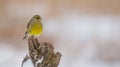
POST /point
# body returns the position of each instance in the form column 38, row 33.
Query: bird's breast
column 35, row 29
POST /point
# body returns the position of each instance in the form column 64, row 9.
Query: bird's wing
column 28, row 25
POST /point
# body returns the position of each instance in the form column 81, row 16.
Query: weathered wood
column 42, row 54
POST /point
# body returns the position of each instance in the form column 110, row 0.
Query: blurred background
column 86, row 32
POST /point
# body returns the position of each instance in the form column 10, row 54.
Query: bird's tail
column 26, row 35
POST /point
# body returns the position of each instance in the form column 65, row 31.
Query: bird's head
column 37, row 17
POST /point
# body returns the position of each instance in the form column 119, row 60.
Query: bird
column 34, row 27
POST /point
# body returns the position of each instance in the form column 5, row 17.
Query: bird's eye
column 37, row 17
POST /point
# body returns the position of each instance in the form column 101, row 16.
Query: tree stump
column 42, row 54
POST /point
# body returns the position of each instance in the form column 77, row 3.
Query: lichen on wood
column 42, row 54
